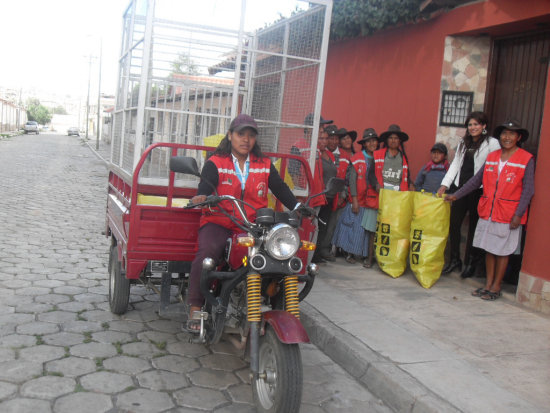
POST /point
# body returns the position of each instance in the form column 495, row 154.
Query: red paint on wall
column 537, row 241
column 395, row 77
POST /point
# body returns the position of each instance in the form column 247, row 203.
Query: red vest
column 318, row 184
column 501, row 193
column 342, row 168
column 379, row 157
column 255, row 189
column 366, row 194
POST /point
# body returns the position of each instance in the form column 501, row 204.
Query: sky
column 45, row 44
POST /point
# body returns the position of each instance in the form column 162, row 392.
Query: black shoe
column 469, row 271
column 451, row 266
column 318, row 260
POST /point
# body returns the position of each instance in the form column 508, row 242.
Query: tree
column 38, row 112
column 59, row 110
column 184, row 64
column 354, row 18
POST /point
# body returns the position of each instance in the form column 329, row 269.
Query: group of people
column 505, row 171
column 490, row 178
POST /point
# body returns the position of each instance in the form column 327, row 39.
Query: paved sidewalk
column 437, row 350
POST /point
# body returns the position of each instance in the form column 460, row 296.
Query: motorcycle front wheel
column 279, row 387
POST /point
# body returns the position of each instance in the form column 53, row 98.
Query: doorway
column 517, row 84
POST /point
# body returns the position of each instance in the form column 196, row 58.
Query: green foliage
column 355, row 18
column 59, row 110
column 184, row 64
column 38, row 112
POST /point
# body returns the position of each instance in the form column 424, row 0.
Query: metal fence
column 183, row 81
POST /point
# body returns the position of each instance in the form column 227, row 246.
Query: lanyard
column 242, row 177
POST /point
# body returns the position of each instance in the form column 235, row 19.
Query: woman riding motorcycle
column 236, row 168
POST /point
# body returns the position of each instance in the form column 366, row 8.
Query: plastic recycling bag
column 393, row 231
column 429, row 231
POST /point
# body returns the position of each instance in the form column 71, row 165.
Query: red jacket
column 255, row 189
column 501, row 193
column 379, row 157
column 318, row 184
column 366, row 194
column 342, row 168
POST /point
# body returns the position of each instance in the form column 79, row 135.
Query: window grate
column 455, row 108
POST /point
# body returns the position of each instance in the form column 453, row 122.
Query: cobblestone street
column 63, row 351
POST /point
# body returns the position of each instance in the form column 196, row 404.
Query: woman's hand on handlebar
column 197, row 199
column 305, row 210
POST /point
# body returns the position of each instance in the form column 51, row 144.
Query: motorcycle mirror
column 184, row 165
column 334, row 186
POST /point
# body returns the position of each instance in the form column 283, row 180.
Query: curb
column 86, row 141
column 384, row 379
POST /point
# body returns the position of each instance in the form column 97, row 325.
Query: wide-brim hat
column 394, row 129
column 512, row 125
column 309, row 120
column 368, row 133
column 331, row 130
column 342, row 132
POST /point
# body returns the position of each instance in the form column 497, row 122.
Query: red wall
column 537, row 242
column 395, row 77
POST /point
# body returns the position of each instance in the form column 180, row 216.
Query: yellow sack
column 393, row 231
column 429, row 231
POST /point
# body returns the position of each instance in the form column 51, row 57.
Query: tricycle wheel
column 278, row 389
column 119, row 285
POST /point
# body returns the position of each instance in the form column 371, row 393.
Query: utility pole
column 88, row 97
column 99, row 97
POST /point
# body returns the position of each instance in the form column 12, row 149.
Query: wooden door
column 517, row 84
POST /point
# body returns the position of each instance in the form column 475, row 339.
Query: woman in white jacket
column 470, row 156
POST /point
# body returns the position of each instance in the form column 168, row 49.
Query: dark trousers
column 459, row 208
column 323, row 235
column 211, row 244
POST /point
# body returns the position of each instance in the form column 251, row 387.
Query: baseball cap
column 243, row 121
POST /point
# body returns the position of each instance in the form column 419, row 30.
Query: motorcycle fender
column 288, row 328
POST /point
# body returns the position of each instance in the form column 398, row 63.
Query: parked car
column 73, row 131
column 31, row 126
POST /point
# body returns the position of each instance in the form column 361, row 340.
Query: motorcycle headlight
column 282, row 242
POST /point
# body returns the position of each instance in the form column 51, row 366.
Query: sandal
column 193, row 326
column 491, row 295
column 350, row 259
column 479, row 292
column 367, row 264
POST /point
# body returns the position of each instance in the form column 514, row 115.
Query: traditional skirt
column 497, row 238
column 349, row 234
column 369, row 219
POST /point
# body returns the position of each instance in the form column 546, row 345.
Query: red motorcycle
column 253, row 297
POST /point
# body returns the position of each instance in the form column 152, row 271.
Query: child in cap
column 430, row 176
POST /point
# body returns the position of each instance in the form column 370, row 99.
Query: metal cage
column 183, row 81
